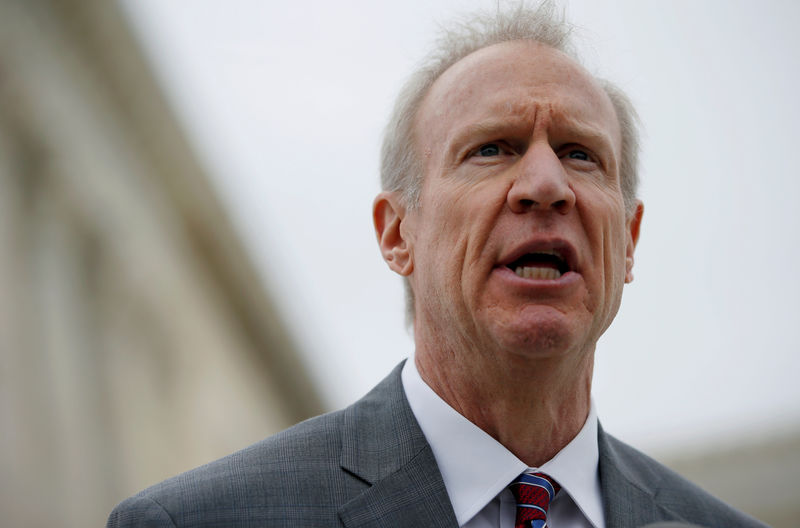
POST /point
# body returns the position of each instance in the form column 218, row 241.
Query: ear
column 388, row 213
column 633, row 224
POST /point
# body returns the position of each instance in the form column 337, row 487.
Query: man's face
column 520, row 239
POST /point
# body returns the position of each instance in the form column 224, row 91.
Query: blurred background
column 187, row 262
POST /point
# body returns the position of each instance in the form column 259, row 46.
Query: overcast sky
column 285, row 103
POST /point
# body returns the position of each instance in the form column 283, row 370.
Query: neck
column 532, row 405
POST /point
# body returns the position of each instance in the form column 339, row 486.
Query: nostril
column 528, row 204
column 560, row 205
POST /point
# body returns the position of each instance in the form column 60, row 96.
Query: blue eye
column 488, row 150
column 578, row 155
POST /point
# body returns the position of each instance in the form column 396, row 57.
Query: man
column 509, row 206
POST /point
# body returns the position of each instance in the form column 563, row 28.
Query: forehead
column 521, row 82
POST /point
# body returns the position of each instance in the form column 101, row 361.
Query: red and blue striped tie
column 533, row 493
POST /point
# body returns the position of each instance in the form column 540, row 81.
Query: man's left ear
column 634, row 222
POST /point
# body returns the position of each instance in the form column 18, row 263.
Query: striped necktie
column 533, row 493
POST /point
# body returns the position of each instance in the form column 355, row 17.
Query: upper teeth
column 533, row 272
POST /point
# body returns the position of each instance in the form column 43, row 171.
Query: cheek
column 614, row 268
column 459, row 222
column 466, row 215
column 605, row 230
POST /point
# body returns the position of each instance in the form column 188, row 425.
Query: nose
column 541, row 183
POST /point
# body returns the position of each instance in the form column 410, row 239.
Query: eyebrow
column 490, row 128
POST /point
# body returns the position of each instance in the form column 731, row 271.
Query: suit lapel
column 412, row 496
column 383, row 445
column 629, row 498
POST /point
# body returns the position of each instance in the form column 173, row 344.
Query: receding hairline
column 512, row 119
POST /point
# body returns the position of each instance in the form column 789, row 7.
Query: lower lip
column 565, row 281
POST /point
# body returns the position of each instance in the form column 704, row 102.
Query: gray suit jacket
column 369, row 465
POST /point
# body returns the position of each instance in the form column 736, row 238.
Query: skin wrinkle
column 515, row 363
column 524, row 119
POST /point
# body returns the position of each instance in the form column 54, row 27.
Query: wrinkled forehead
column 519, row 81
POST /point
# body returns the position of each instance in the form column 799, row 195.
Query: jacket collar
column 630, row 487
column 383, row 446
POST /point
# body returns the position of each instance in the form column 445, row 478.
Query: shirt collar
column 575, row 469
column 476, row 468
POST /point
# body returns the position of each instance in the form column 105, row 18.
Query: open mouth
column 541, row 265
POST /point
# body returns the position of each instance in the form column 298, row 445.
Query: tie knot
column 533, row 493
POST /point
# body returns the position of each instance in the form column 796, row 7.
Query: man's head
column 505, row 157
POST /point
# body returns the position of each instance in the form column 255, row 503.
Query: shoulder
column 302, row 476
column 256, row 483
column 673, row 495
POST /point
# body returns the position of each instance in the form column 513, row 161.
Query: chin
column 544, row 333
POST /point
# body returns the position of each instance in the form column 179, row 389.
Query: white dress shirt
column 477, row 469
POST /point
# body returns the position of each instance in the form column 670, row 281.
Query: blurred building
column 761, row 478
column 136, row 340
